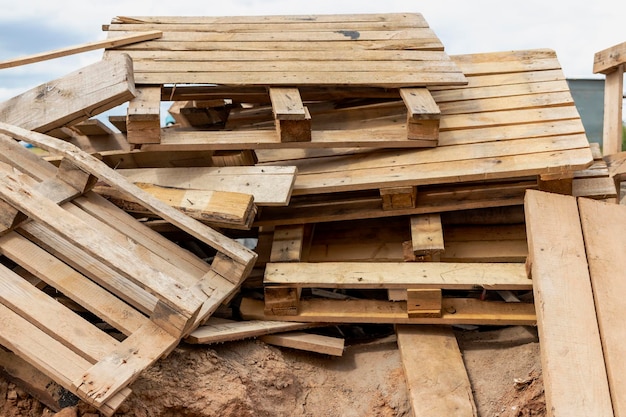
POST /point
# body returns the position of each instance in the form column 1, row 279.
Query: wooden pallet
column 151, row 291
column 577, row 269
column 282, row 54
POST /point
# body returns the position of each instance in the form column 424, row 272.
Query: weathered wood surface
column 435, row 373
column 73, row 98
column 289, row 50
column 566, row 314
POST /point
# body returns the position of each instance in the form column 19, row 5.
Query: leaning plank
column 455, row 311
column 604, row 229
column 70, row 50
column 73, row 98
column 326, row 345
column 435, row 372
column 240, row 255
column 217, row 330
column 566, row 313
column 433, row 275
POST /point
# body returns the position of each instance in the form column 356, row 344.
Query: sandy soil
column 250, row 378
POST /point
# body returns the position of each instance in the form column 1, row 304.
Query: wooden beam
column 423, row 114
column 566, row 314
column 607, row 60
column 613, row 100
column 435, row 373
column 73, row 98
column 71, row 50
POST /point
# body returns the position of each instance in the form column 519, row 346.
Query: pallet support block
column 292, row 118
column 143, row 119
column 423, row 115
column 397, row 198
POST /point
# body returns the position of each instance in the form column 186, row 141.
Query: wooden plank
column 603, row 230
column 72, row 98
column 435, row 373
column 436, row 275
column 70, row 50
column 216, row 208
column 326, row 345
column 607, row 60
column 566, row 313
column 270, row 186
column 455, row 311
column 598, row 188
column 217, row 330
column 427, row 234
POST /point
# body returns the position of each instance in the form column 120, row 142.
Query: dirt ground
column 250, row 378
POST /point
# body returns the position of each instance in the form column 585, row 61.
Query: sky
column 575, row 29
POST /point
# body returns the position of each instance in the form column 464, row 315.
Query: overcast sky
column 575, row 29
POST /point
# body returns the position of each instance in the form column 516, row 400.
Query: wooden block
column 398, row 197
column 559, row 186
column 435, row 373
column 288, row 243
column 73, row 175
column 292, row 118
column 566, row 314
column 427, row 234
column 423, row 114
column 607, row 60
column 306, row 341
column 280, row 300
column 424, row 303
column 143, row 120
column 73, row 98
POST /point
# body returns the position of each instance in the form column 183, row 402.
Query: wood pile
column 379, row 179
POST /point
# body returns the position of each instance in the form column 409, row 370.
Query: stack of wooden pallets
column 382, row 180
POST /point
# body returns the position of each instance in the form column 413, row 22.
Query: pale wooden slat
column 398, row 275
column 269, row 185
column 326, row 345
column 435, row 373
column 72, row 98
column 70, row 50
column 217, row 330
column 613, row 101
column 566, row 314
column 605, row 236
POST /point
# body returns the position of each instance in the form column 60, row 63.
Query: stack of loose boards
column 382, row 180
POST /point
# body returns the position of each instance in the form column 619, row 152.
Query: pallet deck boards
column 274, row 50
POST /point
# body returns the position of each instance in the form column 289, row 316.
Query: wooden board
column 270, row 186
column 455, row 311
column 566, row 313
column 442, row 275
column 289, row 50
column 72, row 98
column 435, row 372
column 604, row 232
column 326, row 345
column 217, row 330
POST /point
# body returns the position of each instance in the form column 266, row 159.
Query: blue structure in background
column 588, row 95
